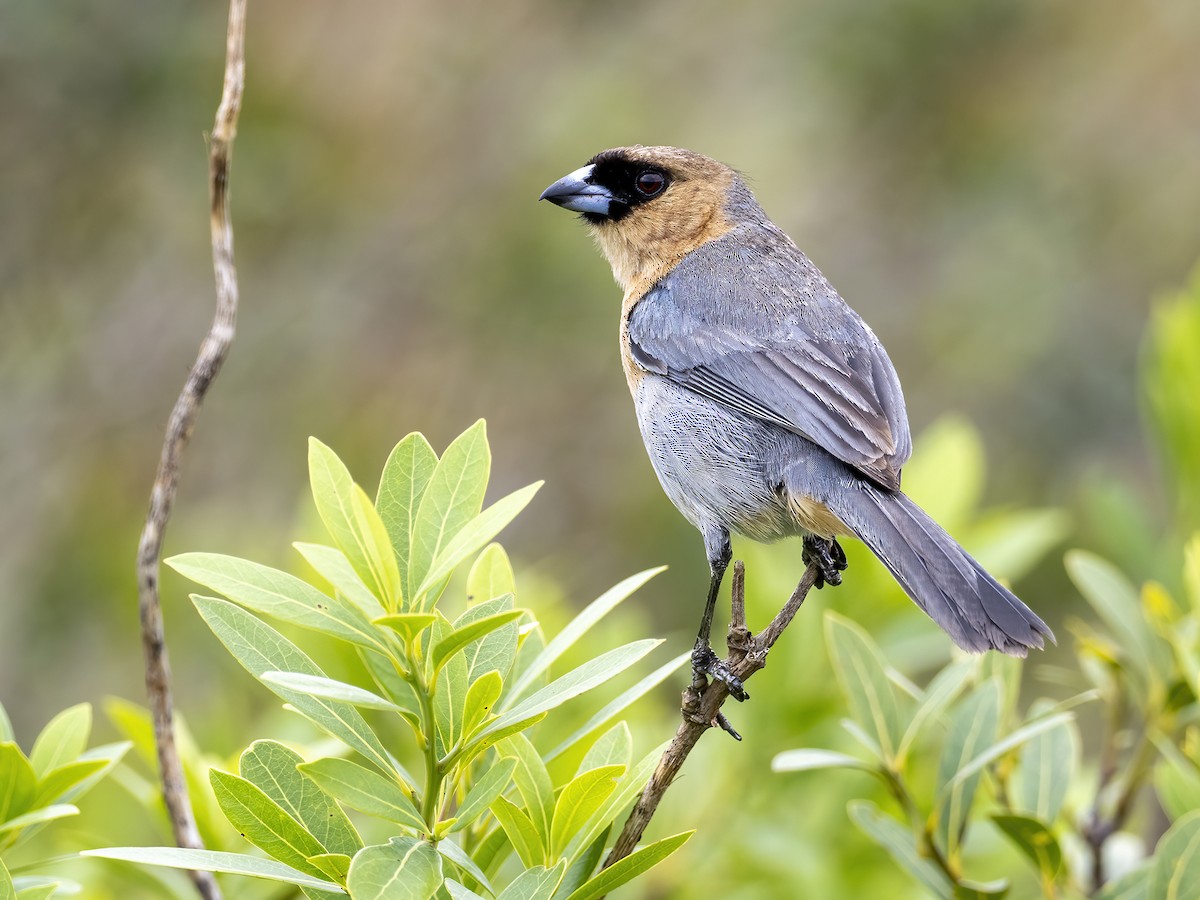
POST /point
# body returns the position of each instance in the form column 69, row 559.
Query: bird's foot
column 706, row 662
column 829, row 558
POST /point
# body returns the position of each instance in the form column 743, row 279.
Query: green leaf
column 277, row 594
column 354, row 524
column 1034, row 839
column 1010, row 741
column 450, row 697
column 482, row 741
column 405, row 476
column 402, row 869
column 62, row 740
column 630, row 867
column 452, row 498
column 57, row 782
column 18, row 782
column 577, row 628
column 7, row 889
column 1133, row 885
column 1116, row 602
column 38, row 817
column 862, row 674
column 335, row 865
column 329, row 689
column 364, row 790
column 407, row 625
column 808, row 759
column 579, row 680
column 619, row 704
column 584, row 864
column 6, row 729
column 613, row 748
column 261, row 649
column 972, row 729
column 272, row 768
column 491, row 575
column 332, row 565
column 461, row 636
column 215, row 861
column 942, row 691
column 262, row 822
column 1175, row 874
column 495, row 650
column 629, row 787
column 465, row 864
column 490, row 785
column 458, row 892
column 481, row 699
column 476, row 533
column 901, row 845
column 538, row 883
column 41, row 891
column 578, row 801
column 533, row 782
column 522, row 833
column 1044, row 772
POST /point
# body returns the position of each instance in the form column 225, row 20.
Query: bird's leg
column 704, row 660
column 829, row 558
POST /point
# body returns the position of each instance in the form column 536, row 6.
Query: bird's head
column 648, row 206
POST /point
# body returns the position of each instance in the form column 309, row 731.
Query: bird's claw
column 829, row 558
column 706, row 662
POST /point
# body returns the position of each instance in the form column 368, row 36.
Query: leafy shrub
column 482, row 807
column 42, row 787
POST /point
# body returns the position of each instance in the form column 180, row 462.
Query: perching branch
column 179, row 429
column 703, row 699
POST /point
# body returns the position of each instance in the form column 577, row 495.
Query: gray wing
column 807, row 364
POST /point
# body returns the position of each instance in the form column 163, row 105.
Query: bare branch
column 702, row 703
column 208, row 362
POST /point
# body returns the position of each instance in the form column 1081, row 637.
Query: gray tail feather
column 940, row 576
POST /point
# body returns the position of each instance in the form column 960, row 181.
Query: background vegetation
column 1001, row 189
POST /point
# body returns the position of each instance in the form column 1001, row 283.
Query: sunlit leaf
column 364, row 790
column 277, row 594
column 538, row 883
column 402, row 869
column 354, row 524
column 332, row 565
column 533, row 782
column 630, row 867
column 452, row 498
column 613, row 748
column 215, row 861
column 522, row 833
column 579, row 800
column 272, row 768
column 491, row 575
column 808, row 759
column 62, row 740
column 486, row 788
column 405, row 476
column 18, row 779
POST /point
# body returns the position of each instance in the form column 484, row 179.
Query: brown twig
column 179, row 429
column 702, row 703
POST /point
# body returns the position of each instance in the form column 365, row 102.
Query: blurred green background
column 1000, row 188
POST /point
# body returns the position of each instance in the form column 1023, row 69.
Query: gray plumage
column 763, row 386
column 768, row 407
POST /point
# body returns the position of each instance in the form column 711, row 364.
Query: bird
column 768, row 407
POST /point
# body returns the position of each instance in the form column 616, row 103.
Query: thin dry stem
column 212, row 354
column 701, row 707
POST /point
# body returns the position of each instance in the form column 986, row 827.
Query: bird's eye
column 650, row 184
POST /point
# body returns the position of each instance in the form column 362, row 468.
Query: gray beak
column 576, row 192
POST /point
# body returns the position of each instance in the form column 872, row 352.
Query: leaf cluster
column 467, row 688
